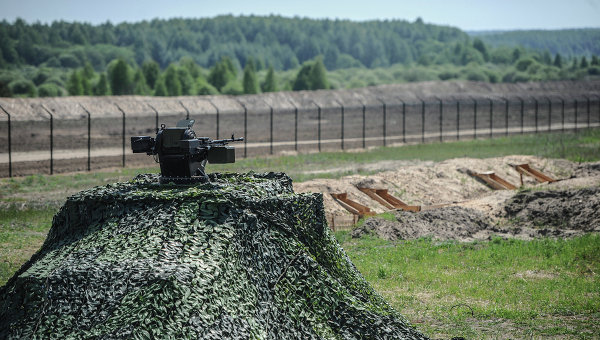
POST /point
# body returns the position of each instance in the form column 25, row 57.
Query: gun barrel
column 225, row 141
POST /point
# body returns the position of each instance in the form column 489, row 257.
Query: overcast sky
column 468, row 15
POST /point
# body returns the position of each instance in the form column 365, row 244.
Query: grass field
column 502, row 288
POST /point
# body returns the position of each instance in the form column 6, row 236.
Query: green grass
column 540, row 288
column 22, row 233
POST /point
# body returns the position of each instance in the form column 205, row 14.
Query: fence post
column 522, row 112
column 549, row 114
column 187, row 112
column 217, row 109
column 422, row 121
column 318, row 125
column 155, row 117
column 403, row 121
column 536, row 114
column 491, row 116
column 595, row 95
column 457, row 119
column 364, row 109
column 384, row 120
column 123, row 113
column 245, row 127
column 51, row 139
column 441, row 116
column 89, row 141
column 9, row 144
column 588, row 111
column 295, row 125
column 598, row 107
column 576, row 113
column 474, row 118
column 342, row 122
column 270, row 127
column 505, row 115
column 562, row 113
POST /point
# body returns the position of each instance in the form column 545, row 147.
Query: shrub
column 445, row 75
column 524, row 63
column 69, row 61
column 476, row 75
column 23, row 88
column 49, row 90
column 233, row 87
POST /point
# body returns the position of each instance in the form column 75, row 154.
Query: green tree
column 161, row 89
column 222, row 73
column 190, row 65
column 595, row 61
column 49, row 90
column 229, row 64
column 524, row 63
column 151, row 72
column 233, row 87
column 546, row 58
column 318, row 75
column 24, row 88
column 88, row 71
column 5, row 90
column 312, row 76
column 575, row 64
column 172, row 83
column 204, row 88
column 120, row 78
column 101, row 87
column 85, row 84
column 480, row 46
column 516, row 54
column 270, row 85
column 558, row 60
column 186, row 81
column 302, row 81
column 250, row 83
column 584, row 62
column 140, row 86
column 75, row 84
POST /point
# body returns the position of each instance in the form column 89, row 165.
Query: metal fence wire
column 46, row 140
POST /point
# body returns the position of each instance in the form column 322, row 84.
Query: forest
column 568, row 42
column 252, row 54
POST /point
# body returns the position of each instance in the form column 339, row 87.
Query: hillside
column 282, row 42
column 251, row 54
column 568, row 42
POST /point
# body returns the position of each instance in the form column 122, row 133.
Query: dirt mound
column 448, row 223
column 431, row 183
column 587, row 169
column 576, row 209
column 525, row 215
column 241, row 257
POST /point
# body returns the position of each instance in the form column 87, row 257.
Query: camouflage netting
column 242, row 257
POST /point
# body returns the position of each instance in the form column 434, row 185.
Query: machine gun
column 182, row 155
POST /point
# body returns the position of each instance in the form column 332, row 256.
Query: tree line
column 285, row 43
column 568, row 42
column 245, row 55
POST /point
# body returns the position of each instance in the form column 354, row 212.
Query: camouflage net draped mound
column 242, row 257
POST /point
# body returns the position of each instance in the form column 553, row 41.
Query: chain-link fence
column 49, row 136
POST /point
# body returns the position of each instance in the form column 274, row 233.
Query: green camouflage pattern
column 239, row 257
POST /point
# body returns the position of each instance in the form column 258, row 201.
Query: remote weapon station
column 182, row 155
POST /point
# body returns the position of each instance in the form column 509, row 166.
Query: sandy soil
column 456, row 206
